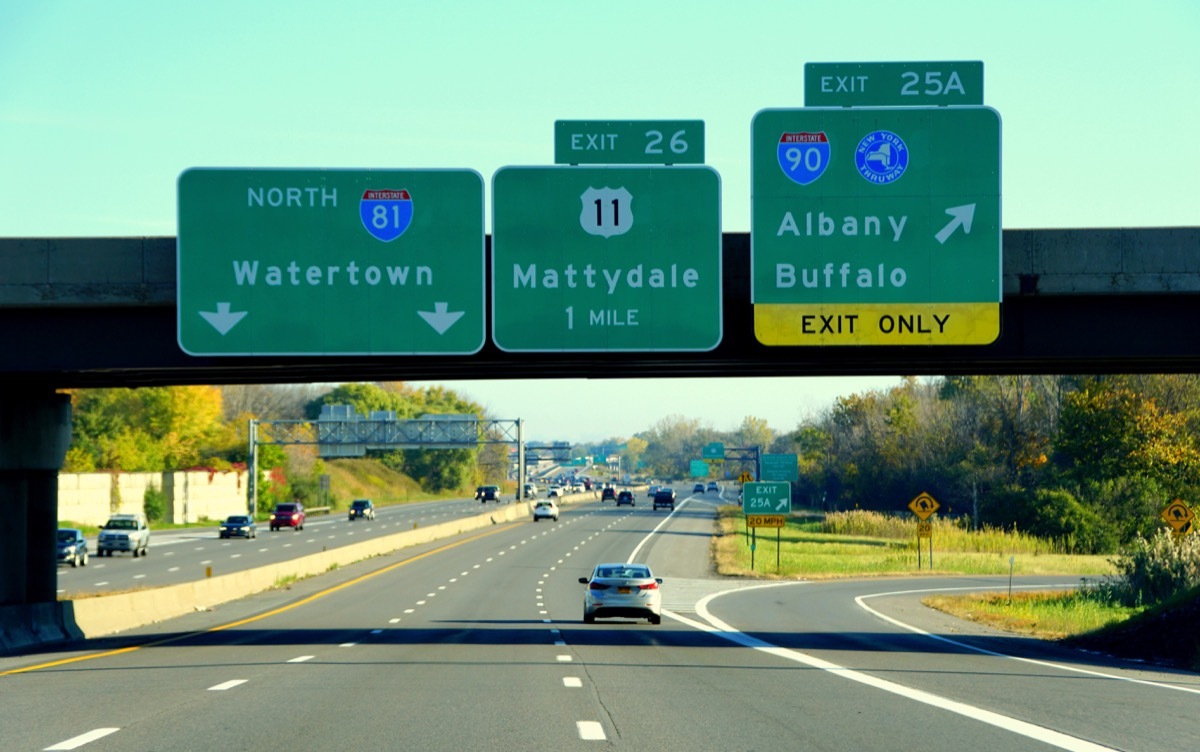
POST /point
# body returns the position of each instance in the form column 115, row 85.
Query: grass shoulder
column 859, row 543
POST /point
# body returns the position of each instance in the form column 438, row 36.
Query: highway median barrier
column 110, row 614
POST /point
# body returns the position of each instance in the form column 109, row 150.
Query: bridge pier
column 35, row 431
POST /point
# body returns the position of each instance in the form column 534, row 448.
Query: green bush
column 1152, row 571
column 154, row 502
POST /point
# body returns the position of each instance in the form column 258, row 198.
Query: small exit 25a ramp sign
column 876, row 226
column 330, row 262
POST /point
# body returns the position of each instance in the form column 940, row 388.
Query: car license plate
column 624, row 591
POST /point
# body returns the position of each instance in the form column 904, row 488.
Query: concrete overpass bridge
column 92, row 312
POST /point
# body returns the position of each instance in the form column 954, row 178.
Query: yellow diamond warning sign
column 1178, row 516
column 924, row 505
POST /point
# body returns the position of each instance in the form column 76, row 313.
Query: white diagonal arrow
column 782, row 505
column 222, row 319
column 441, row 318
column 962, row 215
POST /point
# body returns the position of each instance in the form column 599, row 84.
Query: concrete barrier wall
column 90, row 498
column 109, row 614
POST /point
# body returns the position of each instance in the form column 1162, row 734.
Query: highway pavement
column 477, row 643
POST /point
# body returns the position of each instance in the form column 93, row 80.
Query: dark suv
column 487, row 493
column 625, row 497
column 288, row 515
column 609, row 493
column 362, row 509
column 664, row 497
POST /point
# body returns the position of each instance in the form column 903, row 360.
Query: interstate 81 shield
column 386, row 213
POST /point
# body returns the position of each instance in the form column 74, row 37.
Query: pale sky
column 103, row 104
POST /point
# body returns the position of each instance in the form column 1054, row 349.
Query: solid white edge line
column 720, row 629
column 590, row 731
column 83, row 739
column 227, row 685
column 860, row 600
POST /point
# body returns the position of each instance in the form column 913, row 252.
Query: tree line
column 1087, row 460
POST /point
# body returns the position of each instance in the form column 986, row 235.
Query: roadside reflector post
column 208, row 571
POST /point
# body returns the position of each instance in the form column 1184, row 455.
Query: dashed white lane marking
column 173, row 569
column 420, row 603
column 227, row 685
column 409, row 610
column 235, row 556
column 563, row 658
column 347, row 644
column 572, row 681
column 82, row 739
column 394, row 621
column 301, row 658
column 590, row 731
column 98, row 584
column 138, row 576
column 207, row 561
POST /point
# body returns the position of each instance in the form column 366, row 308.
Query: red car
column 288, row 515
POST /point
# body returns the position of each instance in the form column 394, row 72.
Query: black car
column 609, row 493
column 625, row 497
column 487, row 493
column 238, row 525
column 72, row 547
column 362, row 509
column 664, row 497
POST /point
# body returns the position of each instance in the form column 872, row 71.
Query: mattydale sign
column 330, row 262
column 876, row 226
column 606, row 258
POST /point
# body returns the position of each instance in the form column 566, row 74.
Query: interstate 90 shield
column 803, row 156
column 386, row 213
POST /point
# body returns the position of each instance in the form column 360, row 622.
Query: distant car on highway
column 124, row 532
column 362, row 509
column 555, row 492
column 290, row 515
column 652, row 490
column 531, row 491
column 609, row 493
column 622, row 590
column 665, row 497
column 698, row 488
column 625, row 497
column 72, row 547
column 487, row 493
column 713, row 487
column 238, row 526
column 545, row 508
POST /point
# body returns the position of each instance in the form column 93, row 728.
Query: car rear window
column 285, row 508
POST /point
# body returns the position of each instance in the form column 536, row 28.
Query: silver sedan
column 622, row 590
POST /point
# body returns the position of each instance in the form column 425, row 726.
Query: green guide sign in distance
column 606, row 259
column 893, row 84
column 629, row 142
column 876, row 226
column 763, row 497
column 330, row 262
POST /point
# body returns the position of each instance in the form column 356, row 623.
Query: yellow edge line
column 264, row 615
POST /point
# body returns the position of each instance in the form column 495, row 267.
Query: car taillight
column 597, row 586
column 648, row 586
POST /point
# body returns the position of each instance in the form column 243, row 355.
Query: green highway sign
column 767, row 497
column 893, row 84
column 588, row 259
column 876, row 226
column 698, row 469
column 713, row 451
column 330, row 262
column 629, row 142
column 780, row 467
